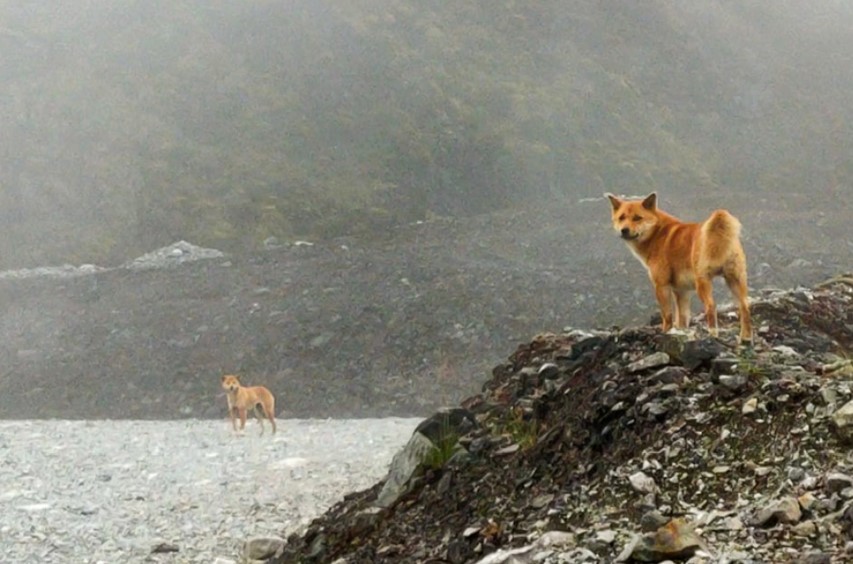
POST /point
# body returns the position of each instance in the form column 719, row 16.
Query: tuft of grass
column 749, row 366
column 444, row 447
column 523, row 432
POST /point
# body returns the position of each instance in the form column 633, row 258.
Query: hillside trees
column 127, row 125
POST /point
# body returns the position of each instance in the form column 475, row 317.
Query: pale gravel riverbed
column 110, row 491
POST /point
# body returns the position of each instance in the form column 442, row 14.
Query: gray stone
column 262, row 548
column 366, row 519
column 723, row 365
column 653, row 520
column 642, row 483
column 456, row 421
column 549, row 370
column 733, row 382
column 700, row 353
column 549, row 543
column 796, row 474
column 541, row 501
column 669, row 375
column 837, row 481
column 785, row 510
column 816, row 558
column 804, row 529
column 406, row 464
column 829, row 396
column 843, row 420
column 654, row 360
column 654, row 408
column 675, row 540
column 446, row 425
column 165, row 547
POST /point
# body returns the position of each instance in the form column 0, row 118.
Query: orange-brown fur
column 242, row 398
column 682, row 257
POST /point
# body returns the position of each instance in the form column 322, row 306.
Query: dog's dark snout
column 625, row 231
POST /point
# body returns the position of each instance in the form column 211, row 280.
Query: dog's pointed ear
column 651, row 201
column 614, row 201
column 224, row 376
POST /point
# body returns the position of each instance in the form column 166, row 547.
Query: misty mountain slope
column 129, row 125
column 353, row 328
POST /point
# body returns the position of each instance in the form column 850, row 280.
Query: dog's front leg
column 242, row 412
column 663, row 293
column 232, row 417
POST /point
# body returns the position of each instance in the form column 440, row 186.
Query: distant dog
column 242, row 398
column 681, row 257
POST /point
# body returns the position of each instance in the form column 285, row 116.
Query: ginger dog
column 242, row 398
column 681, row 257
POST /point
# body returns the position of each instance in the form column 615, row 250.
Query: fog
column 364, row 206
column 129, row 125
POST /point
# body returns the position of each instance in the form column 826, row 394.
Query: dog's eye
column 638, row 217
column 622, row 217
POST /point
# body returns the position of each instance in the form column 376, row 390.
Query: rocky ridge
column 629, row 446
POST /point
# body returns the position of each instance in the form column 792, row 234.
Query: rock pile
column 172, row 255
column 629, row 446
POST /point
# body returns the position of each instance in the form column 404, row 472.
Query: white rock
column 33, row 507
column 843, row 419
column 643, row 483
column 550, row 541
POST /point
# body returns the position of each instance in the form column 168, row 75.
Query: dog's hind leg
column 735, row 277
column 256, row 410
column 682, row 309
column 705, row 289
column 270, row 410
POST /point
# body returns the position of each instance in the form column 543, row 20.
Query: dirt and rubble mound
column 629, row 445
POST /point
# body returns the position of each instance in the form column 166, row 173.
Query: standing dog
column 242, row 398
column 681, row 257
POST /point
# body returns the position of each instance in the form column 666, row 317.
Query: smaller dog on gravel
column 242, row 398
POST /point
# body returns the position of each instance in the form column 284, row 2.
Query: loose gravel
column 113, row 491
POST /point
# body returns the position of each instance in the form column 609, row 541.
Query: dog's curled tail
column 722, row 225
column 720, row 239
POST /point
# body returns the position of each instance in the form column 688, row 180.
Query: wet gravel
column 115, row 491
